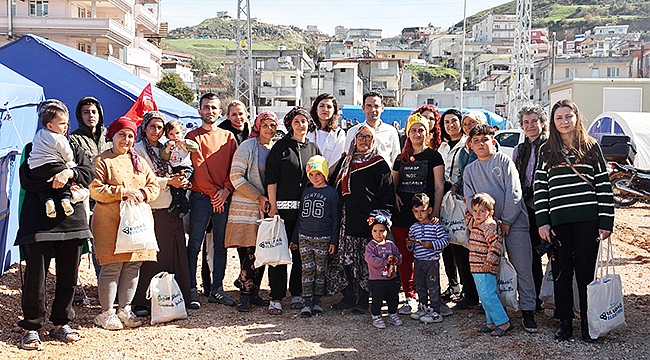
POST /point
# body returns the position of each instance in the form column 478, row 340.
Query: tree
column 172, row 84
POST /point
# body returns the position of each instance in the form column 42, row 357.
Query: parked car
column 509, row 139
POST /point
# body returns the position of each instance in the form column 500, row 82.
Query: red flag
column 143, row 104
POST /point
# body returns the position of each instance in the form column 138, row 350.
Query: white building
column 115, row 30
column 179, row 63
column 495, row 28
column 611, row 29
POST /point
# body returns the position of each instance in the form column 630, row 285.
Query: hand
column 293, row 246
column 218, row 209
column 434, row 220
column 505, row 229
column 398, row 203
column 273, row 210
column 454, row 189
column 61, row 178
column 220, row 198
column 169, row 145
column 545, row 232
column 75, row 187
column 133, row 194
column 178, row 181
column 332, row 249
column 409, row 241
column 391, row 259
column 264, row 203
column 604, row 234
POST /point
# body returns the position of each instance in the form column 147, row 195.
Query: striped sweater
column 433, row 233
column 562, row 197
column 484, row 246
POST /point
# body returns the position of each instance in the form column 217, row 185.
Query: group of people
column 360, row 210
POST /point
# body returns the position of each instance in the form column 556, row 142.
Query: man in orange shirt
column 210, row 198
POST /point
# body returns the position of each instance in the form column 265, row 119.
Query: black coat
column 34, row 225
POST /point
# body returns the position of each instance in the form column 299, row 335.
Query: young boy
column 484, row 253
column 494, row 173
column 427, row 241
column 177, row 152
column 382, row 257
column 316, row 234
column 51, row 153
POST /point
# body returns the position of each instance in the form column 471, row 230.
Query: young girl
column 382, row 257
column 484, row 253
column 177, row 152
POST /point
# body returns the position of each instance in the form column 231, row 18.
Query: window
column 314, row 83
column 279, row 81
column 595, row 73
column 13, row 7
column 293, row 81
column 259, row 64
column 613, row 72
column 570, row 72
column 431, row 101
column 379, row 85
column 343, row 70
column 383, row 65
column 81, row 12
column 81, row 47
column 341, row 92
column 38, row 7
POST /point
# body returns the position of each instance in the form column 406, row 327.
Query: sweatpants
column 486, row 285
column 278, row 274
column 538, row 272
column 313, row 254
column 118, row 279
column 520, row 254
column 384, row 290
column 406, row 266
column 427, row 283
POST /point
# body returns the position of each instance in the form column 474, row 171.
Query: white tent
column 633, row 124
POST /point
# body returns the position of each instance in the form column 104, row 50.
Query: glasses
column 363, row 137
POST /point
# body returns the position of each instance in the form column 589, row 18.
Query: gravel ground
column 220, row 332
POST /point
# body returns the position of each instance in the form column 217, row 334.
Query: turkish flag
column 143, row 104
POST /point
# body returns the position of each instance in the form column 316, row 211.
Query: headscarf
column 125, row 123
column 261, row 117
column 160, row 166
column 298, row 110
column 354, row 160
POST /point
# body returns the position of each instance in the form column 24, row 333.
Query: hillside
column 570, row 17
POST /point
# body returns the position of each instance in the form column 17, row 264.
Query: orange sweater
column 484, row 246
column 212, row 162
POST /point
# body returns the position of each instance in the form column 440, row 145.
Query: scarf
column 159, row 166
column 525, row 152
column 355, row 160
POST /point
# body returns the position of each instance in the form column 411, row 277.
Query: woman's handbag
column 272, row 243
column 136, row 232
column 167, row 301
column 605, row 310
column 507, row 283
column 452, row 219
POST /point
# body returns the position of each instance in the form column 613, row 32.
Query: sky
column 389, row 15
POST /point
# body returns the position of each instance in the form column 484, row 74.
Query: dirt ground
column 220, row 332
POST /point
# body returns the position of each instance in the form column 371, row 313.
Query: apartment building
column 115, row 30
column 338, row 78
column 495, row 28
column 179, row 63
column 395, row 52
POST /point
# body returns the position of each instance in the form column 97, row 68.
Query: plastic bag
column 452, row 219
column 167, row 301
column 272, row 243
column 507, row 284
column 136, row 232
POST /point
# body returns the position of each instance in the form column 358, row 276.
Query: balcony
column 152, row 49
column 145, row 18
column 282, row 92
column 124, row 5
column 74, row 27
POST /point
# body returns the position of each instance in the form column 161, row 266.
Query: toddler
column 177, row 152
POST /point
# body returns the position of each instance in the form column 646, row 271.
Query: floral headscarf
column 355, row 160
column 160, row 166
column 298, row 110
column 261, row 117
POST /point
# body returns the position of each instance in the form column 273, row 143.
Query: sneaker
column 194, row 300
column 394, row 319
column 257, row 299
column 529, row 322
column 67, row 207
column 408, row 307
column 422, row 310
column 451, row 292
column 128, row 318
column 220, row 296
column 108, row 320
column 50, row 209
column 466, row 304
column 445, row 310
column 244, row 303
column 431, row 317
column 378, row 322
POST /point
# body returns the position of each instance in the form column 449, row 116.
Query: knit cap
column 416, row 118
column 318, row 163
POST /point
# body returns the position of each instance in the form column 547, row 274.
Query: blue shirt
column 319, row 214
column 433, row 233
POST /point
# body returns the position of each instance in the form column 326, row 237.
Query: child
column 427, row 241
column 382, row 257
column 484, row 253
column 316, row 234
column 177, row 152
column 494, row 173
column 51, row 153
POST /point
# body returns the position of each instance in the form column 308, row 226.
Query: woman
column 248, row 205
column 533, row 120
column 418, row 169
column 41, row 238
column 168, row 227
column 364, row 182
column 432, row 114
column 329, row 137
column 120, row 174
column 286, row 178
column 573, row 202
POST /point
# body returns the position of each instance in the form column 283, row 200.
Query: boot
column 584, row 328
column 244, row 303
column 566, row 330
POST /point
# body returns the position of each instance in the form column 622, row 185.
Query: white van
column 509, row 139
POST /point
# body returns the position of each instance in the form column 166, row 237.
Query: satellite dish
column 110, row 49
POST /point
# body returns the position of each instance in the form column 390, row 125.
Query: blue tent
column 18, row 100
column 68, row 75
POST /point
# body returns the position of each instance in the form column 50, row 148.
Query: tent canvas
column 633, row 124
column 18, row 100
column 68, row 75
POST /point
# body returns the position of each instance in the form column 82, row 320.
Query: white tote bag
column 507, row 283
column 605, row 311
column 136, row 231
column 547, row 292
column 452, row 219
column 167, row 301
column 272, row 243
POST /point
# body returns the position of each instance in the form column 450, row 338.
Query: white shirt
column 386, row 138
column 330, row 143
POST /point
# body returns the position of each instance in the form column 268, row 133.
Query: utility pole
column 244, row 84
column 522, row 62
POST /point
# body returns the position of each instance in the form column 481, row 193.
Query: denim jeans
column 486, row 285
column 199, row 218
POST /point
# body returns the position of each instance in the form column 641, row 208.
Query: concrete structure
column 116, row 30
column 395, row 52
column 439, row 47
column 420, row 31
column 484, row 65
column 340, row 79
column 441, row 98
column 611, row 29
column 592, row 67
column 608, row 44
column 179, row 63
column 495, row 28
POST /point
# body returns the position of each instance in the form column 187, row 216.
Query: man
column 210, row 198
column 90, row 123
column 386, row 137
column 236, row 121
